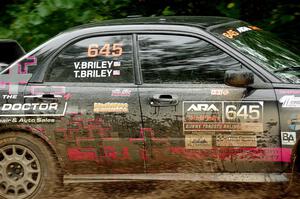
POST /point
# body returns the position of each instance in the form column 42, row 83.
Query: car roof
column 199, row 21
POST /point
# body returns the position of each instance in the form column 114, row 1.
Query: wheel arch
column 295, row 157
column 39, row 134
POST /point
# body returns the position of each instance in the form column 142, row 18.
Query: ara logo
column 290, row 101
column 288, row 138
column 203, row 107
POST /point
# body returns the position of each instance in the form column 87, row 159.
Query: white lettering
column 103, row 73
column 43, row 107
column 104, row 64
column 76, row 73
column 26, row 107
column 110, row 63
column 34, row 105
column 76, row 64
column 16, row 107
column 84, row 65
column 29, row 106
column 9, row 96
column 109, row 73
column 53, row 106
column 203, row 107
column 83, row 74
column 290, row 101
column 90, row 73
column 6, row 107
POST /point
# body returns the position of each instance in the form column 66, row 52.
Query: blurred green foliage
column 32, row 22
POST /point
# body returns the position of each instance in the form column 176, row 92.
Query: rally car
column 161, row 98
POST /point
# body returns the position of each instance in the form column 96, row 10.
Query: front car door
column 193, row 122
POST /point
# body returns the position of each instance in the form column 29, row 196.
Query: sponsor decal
column 256, row 154
column 193, row 141
column 231, row 33
column 289, row 92
column 288, row 138
column 117, row 64
column 97, row 144
column 290, row 101
column 243, row 29
column 29, row 106
column 32, row 105
column 246, row 116
column 110, row 107
column 17, row 75
column 95, row 69
column 254, row 27
column 236, row 140
column 91, row 139
column 116, row 72
column 219, row 92
column 27, row 120
column 121, row 92
column 33, row 109
column 203, row 107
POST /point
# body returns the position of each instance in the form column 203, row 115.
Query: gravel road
column 180, row 190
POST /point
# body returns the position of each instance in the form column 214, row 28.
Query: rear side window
column 182, row 59
column 94, row 59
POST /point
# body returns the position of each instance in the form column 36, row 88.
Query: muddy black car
column 177, row 98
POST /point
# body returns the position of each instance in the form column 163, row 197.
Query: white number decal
column 230, row 112
column 254, row 111
column 245, row 112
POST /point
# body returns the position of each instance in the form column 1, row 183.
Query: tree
column 32, row 22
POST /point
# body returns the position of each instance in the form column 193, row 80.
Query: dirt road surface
column 179, row 189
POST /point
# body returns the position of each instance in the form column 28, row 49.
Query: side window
column 95, row 59
column 182, row 59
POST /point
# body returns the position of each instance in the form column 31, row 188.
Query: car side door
column 92, row 80
column 193, row 122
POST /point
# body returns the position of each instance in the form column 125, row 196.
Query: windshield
column 264, row 48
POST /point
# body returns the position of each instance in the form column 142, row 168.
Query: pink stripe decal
column 237, row 154
column 226, row 154
column 286, row 155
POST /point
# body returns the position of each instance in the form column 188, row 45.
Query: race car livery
column 149, row 99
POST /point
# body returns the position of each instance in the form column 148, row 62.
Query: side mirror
column 3, row 66
column 241, row 78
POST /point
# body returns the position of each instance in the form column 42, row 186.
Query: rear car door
column 193, row 122
column 92, row 81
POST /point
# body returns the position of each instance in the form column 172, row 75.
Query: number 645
column 107, row 50
column 245, row 112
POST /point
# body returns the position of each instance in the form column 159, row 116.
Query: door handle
column 162, row 100
column 42, row 98
column 47, row 96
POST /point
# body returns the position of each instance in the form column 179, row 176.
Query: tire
column 297, row 160
column 27, row 167
column 290, row 188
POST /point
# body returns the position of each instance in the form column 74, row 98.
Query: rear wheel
column 27, row 167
